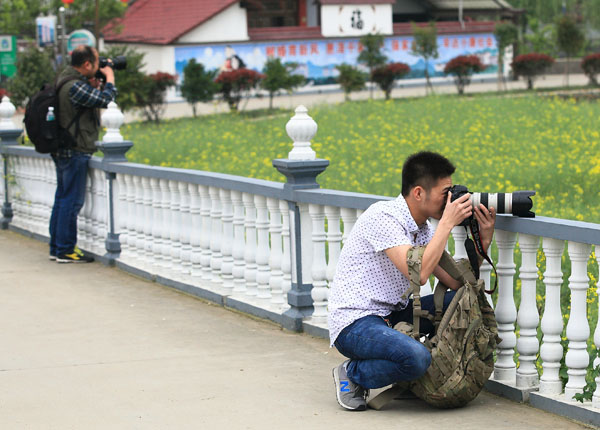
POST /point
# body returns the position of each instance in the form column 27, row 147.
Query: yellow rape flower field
column 498, row 144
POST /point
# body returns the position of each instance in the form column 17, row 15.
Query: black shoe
column 74, row 258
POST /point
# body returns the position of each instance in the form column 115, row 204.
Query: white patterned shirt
column 366, row 281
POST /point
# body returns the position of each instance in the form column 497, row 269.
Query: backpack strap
column 59, row 85
column 414, row 258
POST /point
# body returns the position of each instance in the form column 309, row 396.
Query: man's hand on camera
column 456, row 211
column 487, row 221
column 109, row 73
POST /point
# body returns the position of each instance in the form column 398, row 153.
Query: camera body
column 518, row 203
column 117, row 63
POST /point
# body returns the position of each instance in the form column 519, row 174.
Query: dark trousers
column 380, row 355
column 71, row 176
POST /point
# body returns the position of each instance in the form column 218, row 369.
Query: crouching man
column 372, row 275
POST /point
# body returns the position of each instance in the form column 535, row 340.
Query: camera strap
column 474, row 246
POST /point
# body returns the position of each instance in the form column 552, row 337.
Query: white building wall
column 157, row 58
column 228, row 26
column 356, row 20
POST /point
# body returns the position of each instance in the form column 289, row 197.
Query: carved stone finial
column 7, row 110
column 112, row 119
column 301, row 128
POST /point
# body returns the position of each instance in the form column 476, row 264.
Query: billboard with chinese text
column 317, row 59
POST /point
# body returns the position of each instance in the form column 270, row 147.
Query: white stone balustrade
column 551, row 350
column 578, row 329
column 506, row 312
column 319, row 264
column 528, row 317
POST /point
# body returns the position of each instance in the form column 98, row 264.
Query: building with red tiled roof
column 316, row 34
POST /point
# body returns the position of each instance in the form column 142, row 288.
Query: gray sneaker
column 349, row 395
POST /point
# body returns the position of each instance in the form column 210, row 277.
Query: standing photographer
column 79, row 101
column 366, row 299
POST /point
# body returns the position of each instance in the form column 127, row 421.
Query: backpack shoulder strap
column 414, row 259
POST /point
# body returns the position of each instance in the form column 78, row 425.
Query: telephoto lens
column 517, row 203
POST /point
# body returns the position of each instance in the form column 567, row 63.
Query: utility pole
column 63, row 35
column 97, row 24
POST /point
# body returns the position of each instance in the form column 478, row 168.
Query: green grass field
column 499, row 144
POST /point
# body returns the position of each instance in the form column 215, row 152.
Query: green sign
column 80, row 37
column 8, row 56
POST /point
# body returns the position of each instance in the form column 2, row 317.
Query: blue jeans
column 380, row 355
column 71, row 176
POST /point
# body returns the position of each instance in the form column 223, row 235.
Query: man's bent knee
column 416, row 361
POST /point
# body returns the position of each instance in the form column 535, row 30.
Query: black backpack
column 48, row 136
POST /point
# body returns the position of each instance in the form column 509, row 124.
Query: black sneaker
column 74, row 258
column 349, row 395
column 52, row 257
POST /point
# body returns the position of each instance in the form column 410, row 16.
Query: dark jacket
column 86, row 132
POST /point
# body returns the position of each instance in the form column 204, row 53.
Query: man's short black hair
column 81, row 54
column 425, row 169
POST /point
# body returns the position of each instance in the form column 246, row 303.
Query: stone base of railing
column 556, row 404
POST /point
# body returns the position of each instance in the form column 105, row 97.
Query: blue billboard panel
column 317, row 59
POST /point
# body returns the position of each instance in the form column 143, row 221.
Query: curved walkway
column 91, row 347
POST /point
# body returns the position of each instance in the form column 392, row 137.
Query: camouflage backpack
column 464, row 340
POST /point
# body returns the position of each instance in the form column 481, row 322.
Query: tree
column 18, row 16
column 129, row 81
column 540, row 38
column 506, row 34
column 462, row 67
column 236, row 84
column 279, row 76
column 198, row 84
column 531, row 65
column 425, row 45
column 371, row 55
column 569, row 39
column 34, row 69
column 591, row 67
column 350, row 79
column 385, row 76
column 153, row 94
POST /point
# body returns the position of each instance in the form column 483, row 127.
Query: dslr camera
column 117, row 63
column 518, row 203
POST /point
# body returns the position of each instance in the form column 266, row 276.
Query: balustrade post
column 227, row 242
column 301, row 169
column 286, row 258
column 262, row 250
column 250, row 246
column 460, row 235
column 239, row 243
column 216, row 235
column 334, row 240
column 196, row 233
column 578, row 328
column 551, row 351
column 596, row 396
column 276, row 252
column 8, row 137
column 506, row 311
column 319, row 291
column 113, row 147
column 185, row 232
column 528, row 317
column 157, row 222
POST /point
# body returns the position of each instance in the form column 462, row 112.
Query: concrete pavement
column 92, row 347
